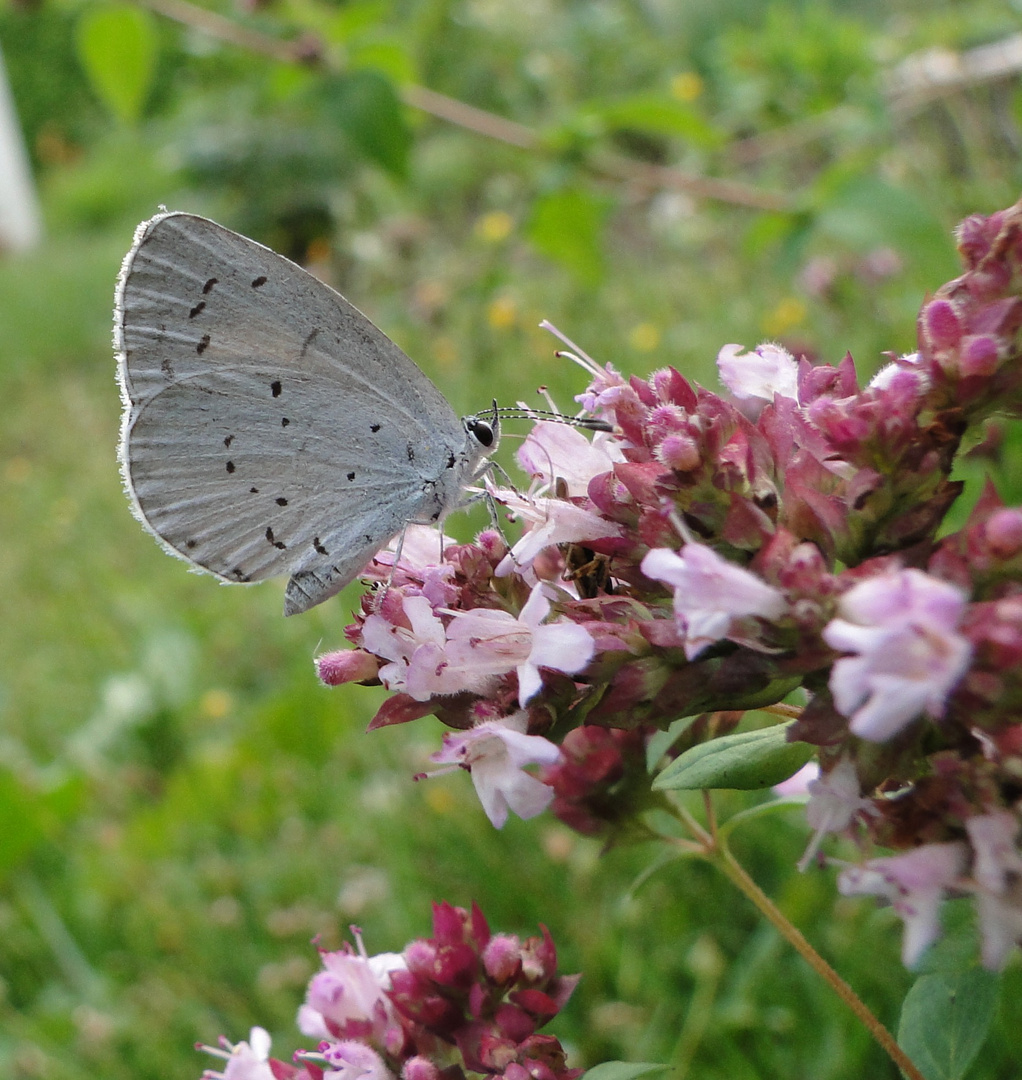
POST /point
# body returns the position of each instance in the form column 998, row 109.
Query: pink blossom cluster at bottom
column 465, row 1001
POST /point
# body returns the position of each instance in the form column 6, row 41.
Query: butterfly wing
column 269, row 426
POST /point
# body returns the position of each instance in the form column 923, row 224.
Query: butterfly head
column 485, row 430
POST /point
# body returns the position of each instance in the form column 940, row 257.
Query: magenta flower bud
column 975, row 235
column 420, row 956
column 1004, row 533
column 940, row 325
column 678, row 452
column 979, row 357
column 346, row 665
column 502, row 959
column 420, row 1068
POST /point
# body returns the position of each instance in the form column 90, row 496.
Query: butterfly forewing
column 269, row 427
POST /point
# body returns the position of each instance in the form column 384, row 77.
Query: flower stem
column 738, row 876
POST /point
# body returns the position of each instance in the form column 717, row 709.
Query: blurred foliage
column 183, row 807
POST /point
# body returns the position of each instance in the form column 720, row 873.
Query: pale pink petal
column 907, row 654
column 915, row 883
column 711, row 593
column 496, row 752
column 558, row 451
column 754, row 378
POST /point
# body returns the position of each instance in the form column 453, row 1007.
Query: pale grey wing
column 241, row 490
column 269, row 427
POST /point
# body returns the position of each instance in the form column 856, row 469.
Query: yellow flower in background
column 644, row 338
column 439, row 799
column 789, row 312
column 686, row 86
column 502, row 313
column 446, row 352
column 494, row 226
column 215, row 704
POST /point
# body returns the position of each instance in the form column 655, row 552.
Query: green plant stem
column 737, row 875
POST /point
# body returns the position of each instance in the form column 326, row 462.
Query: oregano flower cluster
column 713, row 553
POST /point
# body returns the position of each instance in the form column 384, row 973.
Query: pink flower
column 554, row 452
column 997, row 866
column 902, row 626
column 245, row 1060
column 549, row 522
column 496, row 752
column 834, row 800
column 353, row 1060
column 711, row 594
column 349, row 996
column 423, row 642
column 754, row 378
column 915, row 884
column 1000, row 924
column 488, row 642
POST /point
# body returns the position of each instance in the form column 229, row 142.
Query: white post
column 20, row 222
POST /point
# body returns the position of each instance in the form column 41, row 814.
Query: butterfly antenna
column 589, row 423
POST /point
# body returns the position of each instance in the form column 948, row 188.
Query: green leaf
column 622, row 1070
column 747, row 761
column 567, row 227
column 661, row 741
column 366, row 107
column 945, row 1019
column 117, row 48
column 655, row 116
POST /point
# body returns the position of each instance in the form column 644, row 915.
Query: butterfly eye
column 482, row 431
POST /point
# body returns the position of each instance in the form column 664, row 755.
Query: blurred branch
column 937, row 73
column 308, row 51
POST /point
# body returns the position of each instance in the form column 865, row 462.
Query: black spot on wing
column 450, row 460
column 374, row 428
column 284, row 421
column 228, row 440
column 203, row 344
column 209, row 285
column 281, row 501
column 319, row 547
column 197, row 310
column 275, row 388
column 259, row 282
column 279, row 544
column 351, row 476
column 231, row 466
column 253, row 491
column 410, row 451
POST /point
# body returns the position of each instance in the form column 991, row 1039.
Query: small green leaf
column 366, row 107
column 747, row 761
column 655, row 116
column 945, row 1019
column 661, row 741
column 567, row 227
column 117, row 48
column 622, row 1070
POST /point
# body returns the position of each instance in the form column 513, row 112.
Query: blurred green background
column 183, row 807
